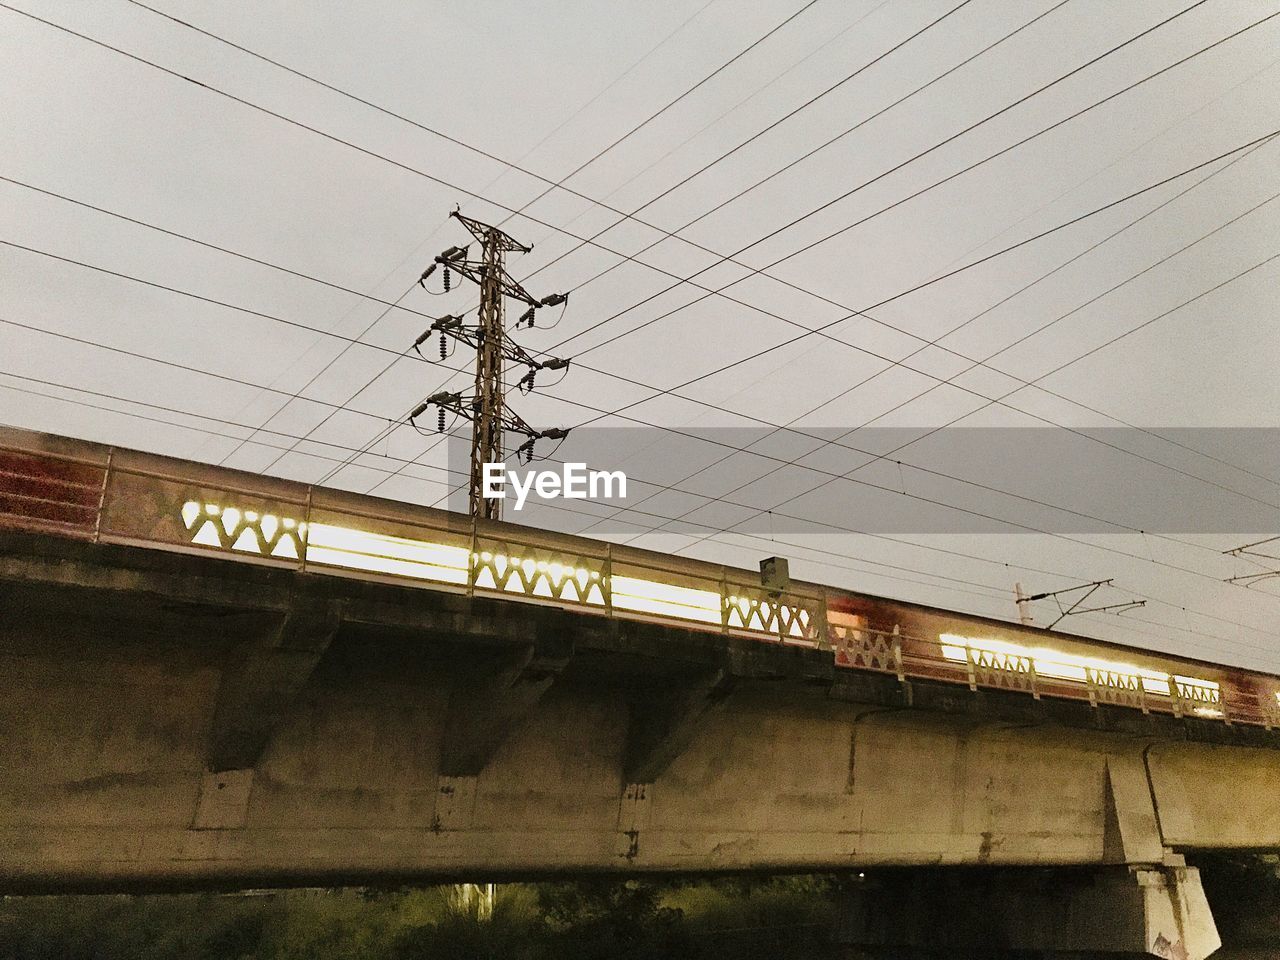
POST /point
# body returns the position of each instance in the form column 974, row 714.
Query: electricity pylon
column 486, row 408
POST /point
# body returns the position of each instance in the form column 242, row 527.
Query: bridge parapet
column 111, row 495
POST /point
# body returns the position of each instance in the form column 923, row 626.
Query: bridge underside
column 176, row 720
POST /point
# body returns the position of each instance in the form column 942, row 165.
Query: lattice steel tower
column 486, row 408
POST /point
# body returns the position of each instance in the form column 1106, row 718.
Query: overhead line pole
column 487, row 408
column 486, row 443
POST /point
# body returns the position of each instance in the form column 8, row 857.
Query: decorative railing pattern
column 1116, row 689
column 1011, row 671
column 1270, row 712
column 755, row 610
column 230, row 528
column 104, row 494
column 1198, row 699
column 867, row 649
column 539, row 572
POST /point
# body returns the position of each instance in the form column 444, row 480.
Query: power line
column 374, row 154
column 376, row 438
column 1078, row 113
column 438, row 133
column 952, row 273
column 1046, row 390
column 906, row 332
column 1002, row 592
column 889, row 454
column 174, row 364
column 1030, row 214
column 865, row 380
column 616, row 80
column 208, row 245
column 997, row 592
column 675, row 148
column 509, row 164
column 994, row 591
column 963, row 509
column 663, row 109
column 297, row 394
column 763, row 271
column 755, row 136
column 602, row 413
column 676, row 233
column 1143, row 325
column 436, row 179
column 671, row 391
column 694, row 523
column 257, row 312
column 195, row 296
column 674, row 431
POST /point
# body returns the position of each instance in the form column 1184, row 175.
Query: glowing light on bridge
column 665, row 599
column 1059, row 665
column 154, row 503
column 380, row 553
column 230, row 528
column 213, row 525
column 544, row 575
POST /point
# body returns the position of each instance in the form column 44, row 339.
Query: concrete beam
column 1215, row 797
column 59, row 565
column 489, row 701
column 665, row 715
column 262, row 683
column 662, row 723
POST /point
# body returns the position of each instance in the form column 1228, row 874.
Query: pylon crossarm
column 512, row 422
column 474, row 270
column 483, row 231
column 471, row 335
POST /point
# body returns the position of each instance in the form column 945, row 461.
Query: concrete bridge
column 185, row 708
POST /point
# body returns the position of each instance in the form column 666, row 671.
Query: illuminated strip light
column 380, row 553
column 664, row 599
column 349, row 548
column 1058, row 665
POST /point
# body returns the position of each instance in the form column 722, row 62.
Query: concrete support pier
column 1122, row 911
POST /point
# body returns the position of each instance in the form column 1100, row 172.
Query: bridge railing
column 113, row 495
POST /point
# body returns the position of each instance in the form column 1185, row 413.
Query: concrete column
column 1154, row 911
column 492, row 699
column 663, row 723
column 262, row 684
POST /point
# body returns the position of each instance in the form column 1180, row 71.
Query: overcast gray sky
column 547, row 86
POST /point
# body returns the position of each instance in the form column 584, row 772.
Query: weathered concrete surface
column 154, row 736
column 260, row 684
column 1216, row 797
